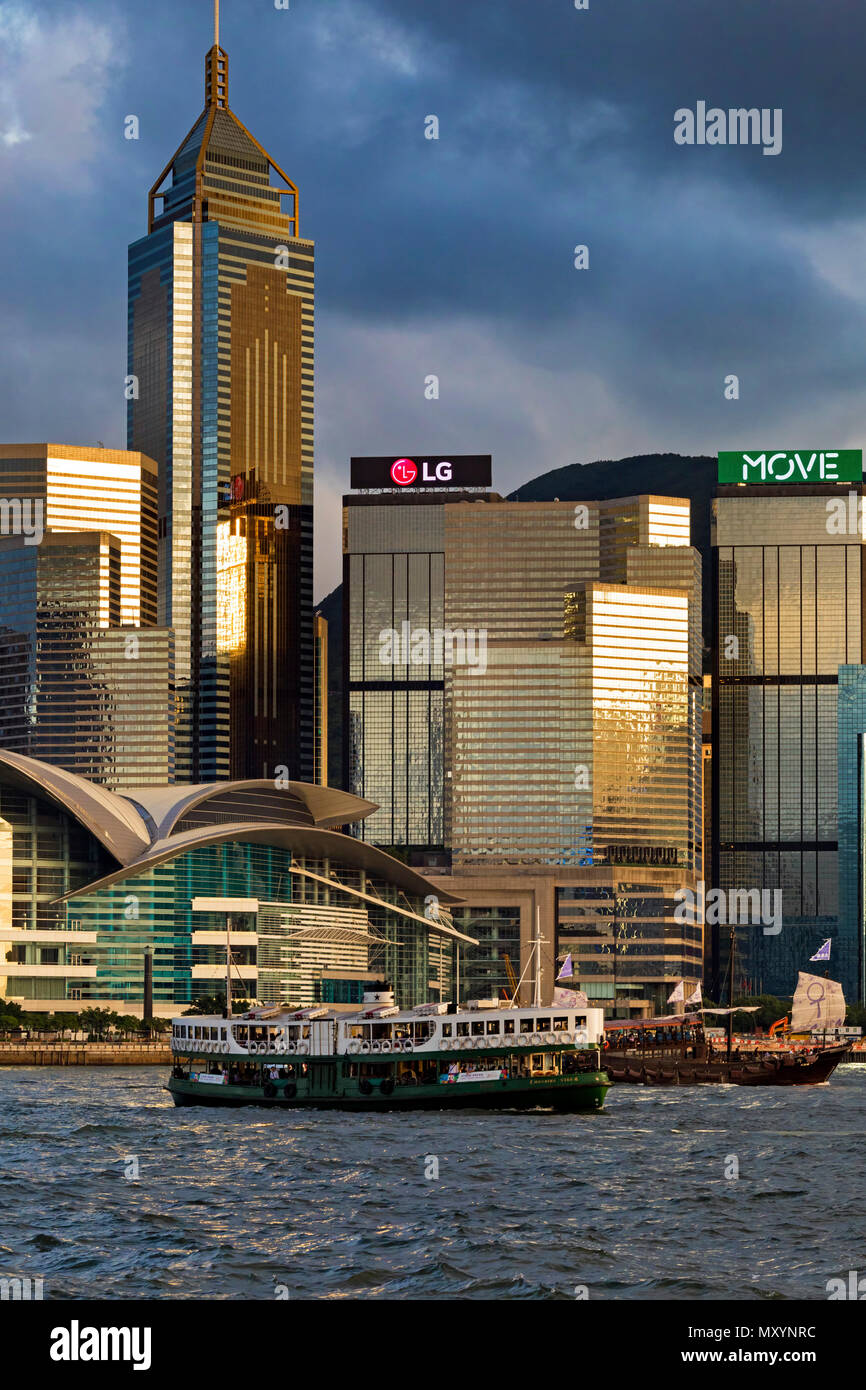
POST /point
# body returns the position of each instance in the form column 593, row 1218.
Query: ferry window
column 542, row 1024
column 493, row 1025
column 446, row 1030
column 508, row 1025
column 198, row 1033
column 527, row 1025
column 223, row 1034
column 478, row 1029
column 580, row 1022
column 463, row 1030
column 560, row 1023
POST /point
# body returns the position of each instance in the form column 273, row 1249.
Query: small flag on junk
column 823, row 953
column 678, row 995
column 567, row 971
column 695, row 997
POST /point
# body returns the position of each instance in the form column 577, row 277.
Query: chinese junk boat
column 674, row 1051
column 483, row 1055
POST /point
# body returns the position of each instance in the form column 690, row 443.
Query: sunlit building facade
column 575, row 760
column 320, row 765
column 221, row 394
column 588, row 713
column 91, row 489
column 566, row 753
column 788, row 716
column 76, row 687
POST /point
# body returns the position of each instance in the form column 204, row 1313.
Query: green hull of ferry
column 330, row 1085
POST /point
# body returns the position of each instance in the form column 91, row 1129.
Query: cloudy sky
column 456, row 257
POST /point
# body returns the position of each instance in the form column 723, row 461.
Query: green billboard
column 791, row 466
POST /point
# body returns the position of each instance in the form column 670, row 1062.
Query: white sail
column 818, row 1004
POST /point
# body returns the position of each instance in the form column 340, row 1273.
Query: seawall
column 93, row 1054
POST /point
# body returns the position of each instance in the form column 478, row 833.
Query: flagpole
column 536, row 1003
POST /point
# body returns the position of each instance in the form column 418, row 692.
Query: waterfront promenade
column 84, row 1054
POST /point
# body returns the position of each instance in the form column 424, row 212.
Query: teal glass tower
column 220, row 333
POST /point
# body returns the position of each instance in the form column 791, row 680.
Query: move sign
column 789, row 466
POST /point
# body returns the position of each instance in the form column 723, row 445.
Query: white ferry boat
column 435, row 1056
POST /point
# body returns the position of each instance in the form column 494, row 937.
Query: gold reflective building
column 86, row 678
column 94, row 489
column 573, row 763
column 221, row 366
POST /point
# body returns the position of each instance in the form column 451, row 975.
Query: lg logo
column 405, row 471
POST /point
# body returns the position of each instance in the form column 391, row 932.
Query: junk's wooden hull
column 680, row 1071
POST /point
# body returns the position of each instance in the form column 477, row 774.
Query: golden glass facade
column 231, row 588
column 321, row 720
column 221, row 346
column 83, row 489
column 585, row 731
column 78, row 690
column 576, row 752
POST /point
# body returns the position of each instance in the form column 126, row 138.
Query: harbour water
column 108, row 1191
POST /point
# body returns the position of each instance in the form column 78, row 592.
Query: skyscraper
column 221, row 394
column 559, row 768
column 574, row 760
column 86, row 678
column 394, row 709
column 788, row 715
column 81, row 488
column 77, row 689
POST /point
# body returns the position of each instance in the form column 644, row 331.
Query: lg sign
column 405, row 471
column 458, row 471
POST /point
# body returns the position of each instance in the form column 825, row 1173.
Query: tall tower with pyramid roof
column 221, row 366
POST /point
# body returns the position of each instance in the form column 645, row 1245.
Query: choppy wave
column 690, row 1194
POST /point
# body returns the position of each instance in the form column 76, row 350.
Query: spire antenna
column 216, row 67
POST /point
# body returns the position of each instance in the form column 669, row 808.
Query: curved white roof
column 115, row 820
column 305, row 802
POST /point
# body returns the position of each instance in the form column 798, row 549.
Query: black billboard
column 423, row 471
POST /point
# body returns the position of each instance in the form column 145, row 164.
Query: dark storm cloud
column 455, row 256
